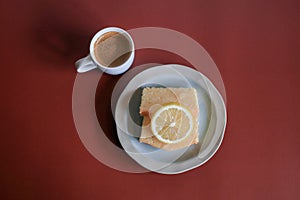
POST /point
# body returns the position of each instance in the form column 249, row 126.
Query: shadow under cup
column 112, row 49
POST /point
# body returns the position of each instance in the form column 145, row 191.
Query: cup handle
column 85, row 64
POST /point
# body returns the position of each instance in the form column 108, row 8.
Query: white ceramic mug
column 89, row 62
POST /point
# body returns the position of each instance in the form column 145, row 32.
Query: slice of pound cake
column 170, row 117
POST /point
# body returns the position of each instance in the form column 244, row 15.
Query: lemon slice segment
column 172, row 123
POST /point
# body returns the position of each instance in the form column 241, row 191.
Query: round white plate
column 212, row 119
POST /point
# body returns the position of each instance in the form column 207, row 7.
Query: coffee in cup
column 111, row 50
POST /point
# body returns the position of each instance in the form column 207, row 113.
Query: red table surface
column 255, row 45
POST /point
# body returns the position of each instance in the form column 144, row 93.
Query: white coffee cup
column 90, row 62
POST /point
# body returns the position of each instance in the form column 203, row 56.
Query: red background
column 255, row 44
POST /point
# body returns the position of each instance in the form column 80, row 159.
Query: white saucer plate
column 212, row 120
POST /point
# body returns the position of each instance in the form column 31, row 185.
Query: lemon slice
column 172, row 123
